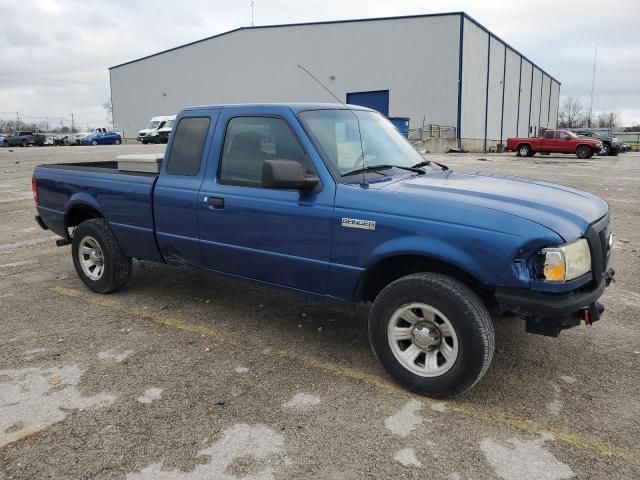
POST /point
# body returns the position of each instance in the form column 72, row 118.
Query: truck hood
column 565, row 210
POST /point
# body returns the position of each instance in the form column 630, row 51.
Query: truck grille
column 598, row 237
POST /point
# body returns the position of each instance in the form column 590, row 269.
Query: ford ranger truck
column 333, row 202
column 555, row 141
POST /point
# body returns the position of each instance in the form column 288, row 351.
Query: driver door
column 277, row 236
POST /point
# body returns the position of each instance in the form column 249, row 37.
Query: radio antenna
column 363, row 183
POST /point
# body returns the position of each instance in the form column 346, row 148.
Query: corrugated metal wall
column 555, row 102
column 496, row 73
column 525, row 99
column 544, row 102
column 474, row 80
column 511, row 86
column 416, row 59
column 536, row 91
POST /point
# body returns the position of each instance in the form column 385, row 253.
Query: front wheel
column 24, row 143
column 432, row 334
column 118, row 141
column 94, row 143
column 584, row 152
column 99, row 262
column 606, row 149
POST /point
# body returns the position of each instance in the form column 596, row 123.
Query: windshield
column 572, row 135
column 335, row 133
column 152, row 124
column 169, row 123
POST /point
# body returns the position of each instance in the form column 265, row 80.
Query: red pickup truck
column 555, row 141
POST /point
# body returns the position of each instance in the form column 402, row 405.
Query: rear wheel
column 97, row 257
column 606, row 149
column 524, row 151
column 24, row 143
column 118, row 141
column 94, row 142
column 432, row 334
column 584, row 152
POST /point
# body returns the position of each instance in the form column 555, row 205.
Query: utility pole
column 252, row 13
column 17, row 121
column 72, row 123
column 593, row 83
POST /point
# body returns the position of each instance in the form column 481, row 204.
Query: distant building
column 441, row 69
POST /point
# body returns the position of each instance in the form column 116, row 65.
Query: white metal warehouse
column 441, row 69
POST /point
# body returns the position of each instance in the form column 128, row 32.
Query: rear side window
column 188, row 144
column 249, row 141
column 562, row 135
column 548, row 135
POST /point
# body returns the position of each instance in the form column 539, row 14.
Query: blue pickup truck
column 332, row 201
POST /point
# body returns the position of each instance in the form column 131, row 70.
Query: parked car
column 610, row 145
column 165, row 131
column 624, row 147
column 103, row 138
column 2, row 135
column 555, row 141
column 23, row 139
column 275, row 194
column 149, row 134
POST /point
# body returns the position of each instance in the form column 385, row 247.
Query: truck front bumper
column 547, row 313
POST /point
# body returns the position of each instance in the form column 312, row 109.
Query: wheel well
column 523, row 144
column 584, row 145
column 80, row 213
column 390, row 269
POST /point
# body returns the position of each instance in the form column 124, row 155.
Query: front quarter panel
column 491, row 246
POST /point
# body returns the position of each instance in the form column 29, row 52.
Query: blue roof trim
column 478, row 24
column 331, row 22
column 327, row 22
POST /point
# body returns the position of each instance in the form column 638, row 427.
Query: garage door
column 377, row 100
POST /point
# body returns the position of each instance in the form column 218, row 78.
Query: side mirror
column 286, row 174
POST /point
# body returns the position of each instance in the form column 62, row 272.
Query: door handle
column 215, row 202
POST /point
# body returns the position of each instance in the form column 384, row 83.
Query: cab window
column 562, row 135
column 188, row 145
column 249, row 141
column 548, row 134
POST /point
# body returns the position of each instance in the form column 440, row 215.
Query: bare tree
column 608, row 119
column 571, row 114
column 108, row 106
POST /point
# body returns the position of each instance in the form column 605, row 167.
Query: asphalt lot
column 190, row 375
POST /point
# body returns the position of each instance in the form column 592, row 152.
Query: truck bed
column 107, row 166
column 125, row 198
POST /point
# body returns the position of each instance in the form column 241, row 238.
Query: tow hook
column 608, row 276
column 593, row 313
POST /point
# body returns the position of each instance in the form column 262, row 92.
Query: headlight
column 567, row 261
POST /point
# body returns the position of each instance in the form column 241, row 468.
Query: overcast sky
column 55, row 54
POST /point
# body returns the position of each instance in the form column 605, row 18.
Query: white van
column 149, row 134
column 164, row 132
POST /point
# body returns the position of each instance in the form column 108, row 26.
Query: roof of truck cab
column 295, row 107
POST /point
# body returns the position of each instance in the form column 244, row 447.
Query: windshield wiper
column 427, row 163
column 374, row 168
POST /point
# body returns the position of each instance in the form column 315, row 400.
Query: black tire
column 94, row 143
column 24, row 143
column 117, row 266
column 524, row 150
column 606, row 149
column 614, row 153
column 118, row 141
column 584, row 152
column 144, row 142
column 467, row 314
